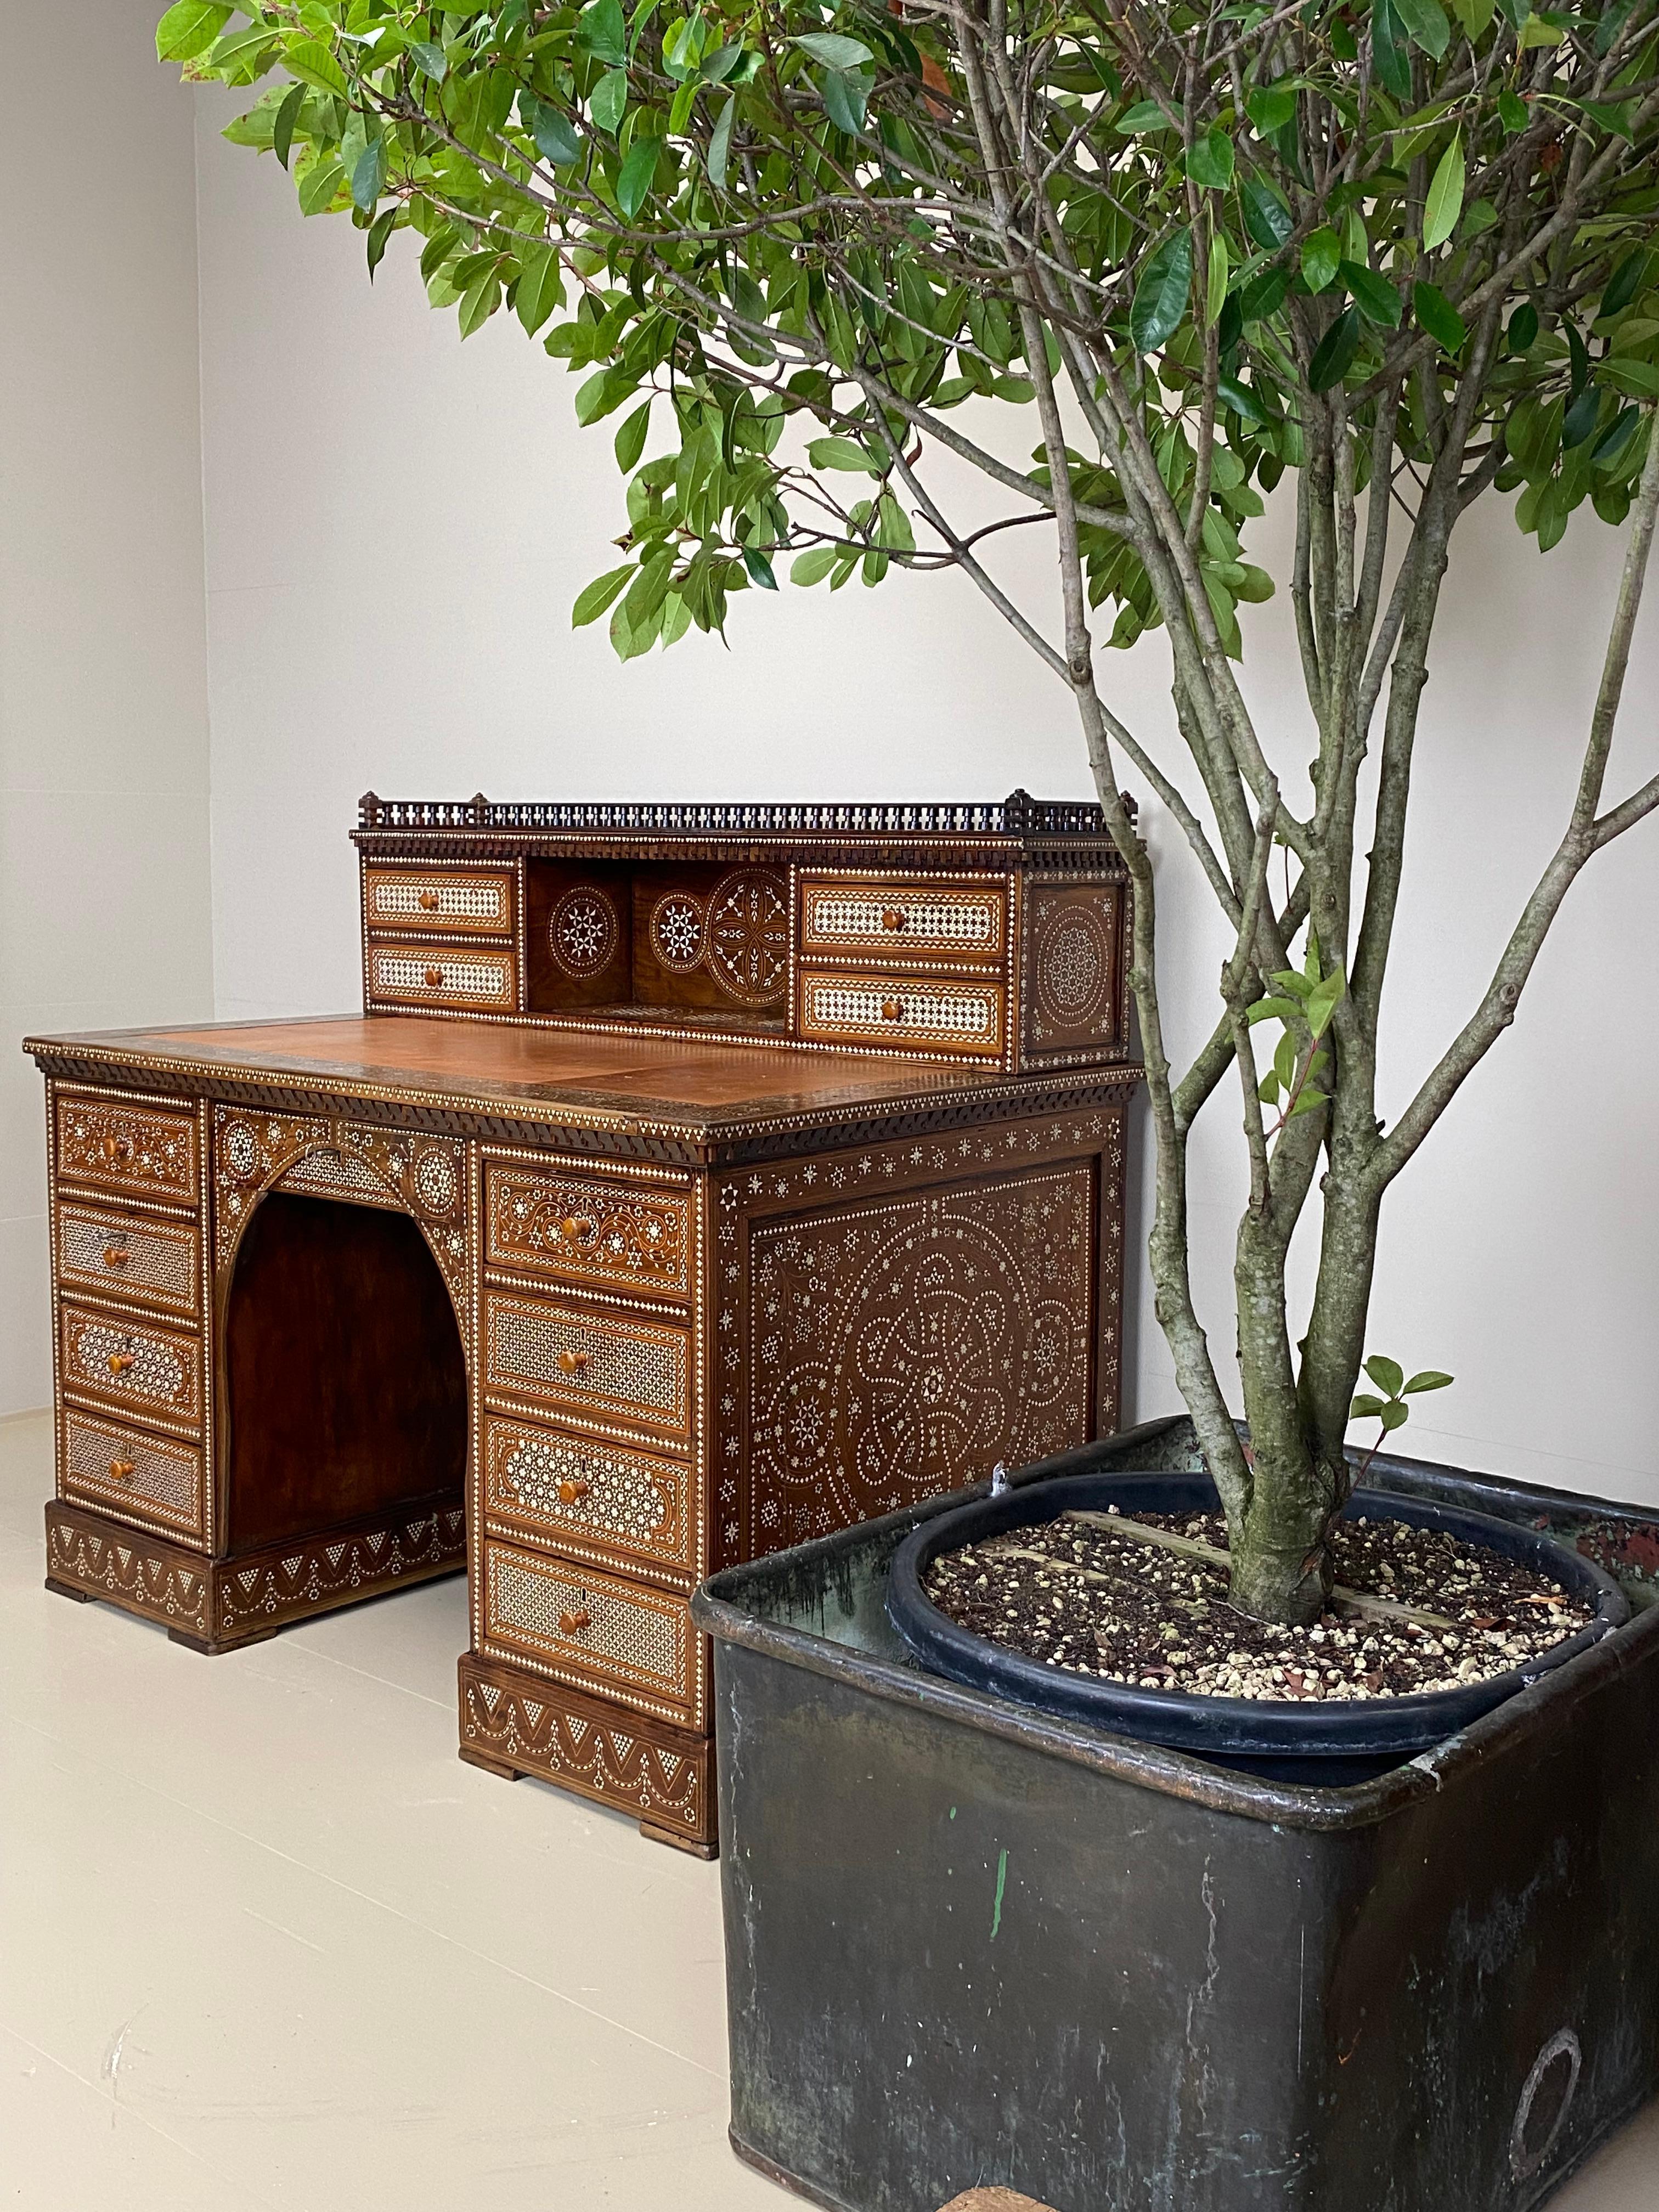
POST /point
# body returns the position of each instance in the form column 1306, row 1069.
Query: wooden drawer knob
column 118, row 1148
column 429, row 900
column 572, row 1624
column 892, row 1010
column 114, row 1256
column 571, row 1362
column 121, row 1470
column 574, row 1227
column 120, row 1361
column 434, row 977
column 895, row 917
column 572, row 1490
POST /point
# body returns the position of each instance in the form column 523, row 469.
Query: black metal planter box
column 965, row 1944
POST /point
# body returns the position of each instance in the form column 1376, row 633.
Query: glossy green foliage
column 768, row 230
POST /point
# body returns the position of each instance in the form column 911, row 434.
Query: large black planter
column 1328, row 1744
column 968, row 1943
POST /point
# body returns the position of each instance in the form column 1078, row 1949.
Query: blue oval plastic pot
column 1340, row 1742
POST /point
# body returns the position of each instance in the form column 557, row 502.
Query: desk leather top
column 562, row 1078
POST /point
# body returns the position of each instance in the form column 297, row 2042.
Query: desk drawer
column 145, row 1367
column 443, row 976
column 123, row 1256
column 932, row 1013
column 588, row 1497
column 152, row 1479
column 140, row 1151
column 582, row 1626
column 589, row 1364
column 619, row 1236
column 840, row 914
column 461, row 903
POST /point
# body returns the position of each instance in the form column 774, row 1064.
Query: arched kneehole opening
column 345, row 1376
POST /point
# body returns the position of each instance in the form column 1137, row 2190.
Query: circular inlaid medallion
column 748, row 936
column 582, row 932
column 240, row 1150
column 1074, row 967
column 677, row 932
column 436, row 1182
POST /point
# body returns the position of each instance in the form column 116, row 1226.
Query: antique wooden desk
column 698, row 1180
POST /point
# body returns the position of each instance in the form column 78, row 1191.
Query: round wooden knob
column 571, row 1362
column 575, row 1226
column 572, row 1490
column 118, row 1148
column 114, row 1256
column 572, row 1624
column 434, row 977
column 892, row 1010
column 121, row 1470
column 895, row 917
column 429, row 899
column 120, row 1361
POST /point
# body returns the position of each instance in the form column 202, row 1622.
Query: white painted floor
column 264, row 1942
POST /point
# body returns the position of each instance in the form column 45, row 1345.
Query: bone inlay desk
column 698, row 1180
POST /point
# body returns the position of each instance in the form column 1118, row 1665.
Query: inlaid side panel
column 910, row 1344
column 1074, row 990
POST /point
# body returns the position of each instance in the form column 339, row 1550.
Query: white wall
column 104, row 856
column 396, row 527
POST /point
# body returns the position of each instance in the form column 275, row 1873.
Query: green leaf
column 368, row 175
column 1614, row 441
column 282, row 131
column 1524, row 328
column 759, row 567
column 480, row 300
column 602, row 32
column 1308, row 1101
column 1264, row 295
column 639, row 173
column 189, row 28
column 1512, row 113
column 1216, row 294
column 1161, row 296
column 1580, row 418
column 1393, row 1416
column 1474, row 15
column 845, row 96
column 608, row 101
column 835, row 51
column 812, row 567
column 1388, row 52
column 1639, row 377
column 720, row 143
column 1211, row 162
column 1272, row 1010
column 379, row 232
column 1334, row 356
column 555, row 134
column 1445, row 200
column 1266, row 216
column 1387, row 1374
column 429, row 58
column 1542, row 31
column 1268, row 1089
column 1437, row 316
column 592, row 600
column 1426, row 25
column 310, row 60
column 1365, row 1409
column 318, row 186
column 1243, row 401
column 1270, row 108
column 1322, row 250
column 630, row 438
column 841, row 454
column 1375, row 297
column 1430, row 1379
column 541, row 287
column 1145, row 115
column 1625, row 282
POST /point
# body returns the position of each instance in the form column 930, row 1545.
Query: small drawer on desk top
column 595, row 1365
column 146, row 1367
column 126, row 1470
column 622, row 1638
column 139, row 1152
column 913, row 1012
column 460, row 902
column 584, row 1495
column 840, row 914
column 120, row 1256
column 622, row 1236
column 477, row 977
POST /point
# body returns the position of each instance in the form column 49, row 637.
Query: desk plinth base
column 514, row 1722
column 216, row 1605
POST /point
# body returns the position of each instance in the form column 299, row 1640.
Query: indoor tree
column 1406, row 255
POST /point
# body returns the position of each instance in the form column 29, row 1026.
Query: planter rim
column 718, row 1610
column 1400, row 1727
